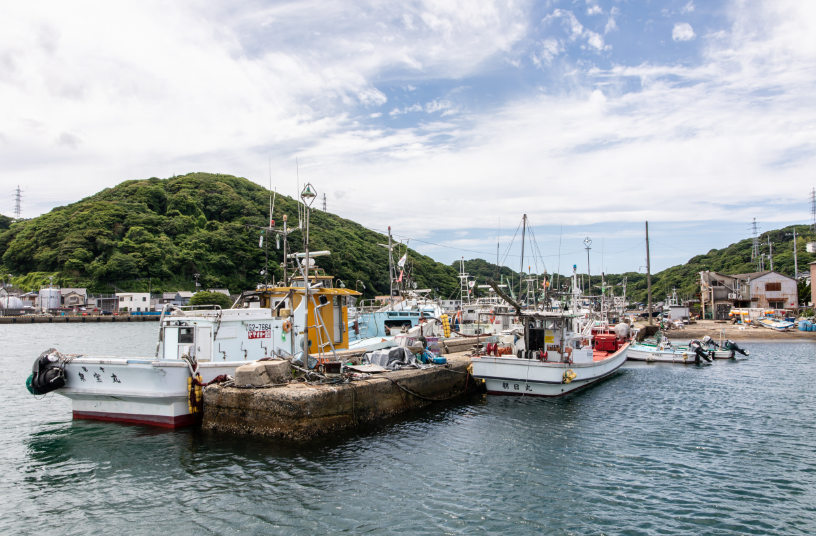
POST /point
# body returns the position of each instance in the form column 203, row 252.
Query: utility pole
column 795, row 261
column 521, row 268
column 648, row 274
column 770, row 251
column 324, row 202
column 18, row 197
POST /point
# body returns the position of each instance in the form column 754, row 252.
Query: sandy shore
column 713, row 328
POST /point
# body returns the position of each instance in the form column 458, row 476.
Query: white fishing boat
column 553, row 356
column 195, row 347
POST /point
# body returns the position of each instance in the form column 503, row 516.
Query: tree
column 211, row 298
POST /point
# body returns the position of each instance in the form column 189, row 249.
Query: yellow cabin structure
column 327, row 310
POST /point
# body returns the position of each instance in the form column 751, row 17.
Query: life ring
column 493, row 319
column 287, row 326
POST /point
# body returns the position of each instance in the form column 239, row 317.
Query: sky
column 446, row 120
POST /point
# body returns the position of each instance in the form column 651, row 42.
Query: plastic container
column 439, row 360
column 433, row 345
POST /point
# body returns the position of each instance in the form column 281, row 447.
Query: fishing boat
column 195, row 346
column 552, row 357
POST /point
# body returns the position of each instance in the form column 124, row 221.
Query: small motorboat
column 777, row 325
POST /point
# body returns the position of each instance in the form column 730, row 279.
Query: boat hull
column 139, row 391
column 514, row 376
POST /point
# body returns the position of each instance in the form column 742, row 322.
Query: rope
column 467, row 379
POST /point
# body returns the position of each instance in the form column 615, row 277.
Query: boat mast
column 521, row 269
column 648, row 274
column 390, row 270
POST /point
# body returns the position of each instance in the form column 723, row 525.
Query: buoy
column 287, row 326
column 569, row 375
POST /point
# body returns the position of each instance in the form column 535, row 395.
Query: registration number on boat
column 259, row 331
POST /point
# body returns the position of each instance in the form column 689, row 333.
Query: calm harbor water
column 657, row 449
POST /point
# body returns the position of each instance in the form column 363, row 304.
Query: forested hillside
column 159, row 232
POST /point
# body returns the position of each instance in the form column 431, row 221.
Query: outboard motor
column 699, row 353
column 48, row 373
column 709, row 342
column 731, row 345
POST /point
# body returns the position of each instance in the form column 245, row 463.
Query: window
column 121, row 298
column 770, row 287
column 185, row 336
column 139, row 309
column 776, row 304
column 144, row 298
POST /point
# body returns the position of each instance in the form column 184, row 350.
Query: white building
column 134, row 301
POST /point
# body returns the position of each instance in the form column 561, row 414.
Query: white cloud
column 549, row 49
column 226, row 93
column 611, row 25
column 575, row 31
column 594, row 10
column 375, row 115
column 683, row 31
column 688, row 8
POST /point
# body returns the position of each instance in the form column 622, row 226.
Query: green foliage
column 5, row 222
column 211, row 298
column 157, row 233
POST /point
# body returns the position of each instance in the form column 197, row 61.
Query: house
column 771, row 290
column 134, row 301
column 223, row 291
column 168, row 297
column 182, row 297
column 30, row 299
column 719, row 293
column 73, row 297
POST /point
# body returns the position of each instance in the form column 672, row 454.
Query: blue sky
column 440, row 118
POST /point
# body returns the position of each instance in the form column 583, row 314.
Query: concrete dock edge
column 300, row 411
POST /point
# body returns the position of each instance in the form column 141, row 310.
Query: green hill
column 159, row 232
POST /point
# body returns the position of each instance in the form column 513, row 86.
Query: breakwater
column 302, row 411
column 74, row 319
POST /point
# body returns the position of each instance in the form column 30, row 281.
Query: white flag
column 401, row 262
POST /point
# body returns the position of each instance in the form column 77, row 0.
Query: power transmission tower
column 18, row 197
column 324, row 202
column 813, row 210
column 755, row 247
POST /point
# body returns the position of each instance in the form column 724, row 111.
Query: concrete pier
column 299, row 411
